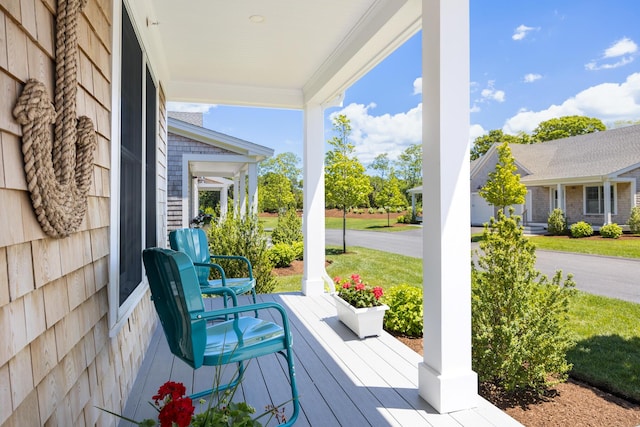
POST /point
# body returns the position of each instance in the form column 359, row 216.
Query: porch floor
column 342, row 380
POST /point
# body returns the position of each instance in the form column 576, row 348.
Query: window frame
column 601, row 209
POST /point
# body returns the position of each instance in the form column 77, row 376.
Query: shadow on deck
column 342, row 380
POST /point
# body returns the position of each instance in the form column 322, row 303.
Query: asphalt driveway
column 600, row 275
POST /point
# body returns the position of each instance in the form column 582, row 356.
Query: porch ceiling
column 212, row 51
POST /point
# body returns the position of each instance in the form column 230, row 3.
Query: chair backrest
column 176, row 295
column 194, row 243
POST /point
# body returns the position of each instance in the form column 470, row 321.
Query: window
column 137, row 205
column 594, row 200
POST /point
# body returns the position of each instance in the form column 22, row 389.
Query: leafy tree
column 519, row 319
column 289, row 228
column 390, row 196
column 409, row 166
column 382, row 165
column 346, row 185
column 285, row 164
column 275, row 193
column 566, row 126
column 504, row 187
column 482, row 143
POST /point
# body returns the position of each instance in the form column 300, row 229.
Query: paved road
column 608, row 276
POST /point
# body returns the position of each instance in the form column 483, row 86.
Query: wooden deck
column 342, row 380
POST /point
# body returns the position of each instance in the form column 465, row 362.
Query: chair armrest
column 237, row 257
column 244, row 308
column 215, row 267
column 222, row 290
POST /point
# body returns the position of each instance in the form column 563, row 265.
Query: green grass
column 607, row 350
column 369, row 224
column 627, row 248
column 606, row 330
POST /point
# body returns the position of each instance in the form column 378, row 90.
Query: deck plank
column 342, row 380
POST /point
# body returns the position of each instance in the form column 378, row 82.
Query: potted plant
column 359, row 306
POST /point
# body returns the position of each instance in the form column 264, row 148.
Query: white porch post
column 243, row 193
column 560, row 191
column 195, row 198
column 224, row 201
column 236, row 195
column 607, row 202
column 446, row 380
column 313, row 199
column 253, row 188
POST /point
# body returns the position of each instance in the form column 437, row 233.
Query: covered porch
column 342, row 380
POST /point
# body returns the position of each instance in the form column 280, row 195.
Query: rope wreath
column 58, row 172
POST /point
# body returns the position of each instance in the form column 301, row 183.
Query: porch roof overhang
column 281, row 54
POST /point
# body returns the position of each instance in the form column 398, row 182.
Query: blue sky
column 530, row 61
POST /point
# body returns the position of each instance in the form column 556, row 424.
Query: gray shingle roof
column 594, row 154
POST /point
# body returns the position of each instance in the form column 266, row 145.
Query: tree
column 519, row 319
column 285, row 164
column 382, row 165
column 566, row 126
column 275, row 193
column 390, row 196
column 504, row 187
column 346, row 185
column 409, row 165
column 482, row 143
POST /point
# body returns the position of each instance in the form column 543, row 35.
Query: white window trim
column 614, row 195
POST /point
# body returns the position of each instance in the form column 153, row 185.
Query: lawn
column 377, row 223
column 607, row 350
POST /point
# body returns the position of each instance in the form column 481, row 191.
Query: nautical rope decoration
column 58, row 172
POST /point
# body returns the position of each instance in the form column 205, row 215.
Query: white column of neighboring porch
column 224, row 201
column 236, row 194
column 607, row 202
column 253, row 188
column 560, row 191
column 195, row 197
column 313, row 199
column 243, row 193
column 445, row 378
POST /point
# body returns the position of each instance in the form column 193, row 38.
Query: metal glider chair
column 194, row 243
column 197, row 341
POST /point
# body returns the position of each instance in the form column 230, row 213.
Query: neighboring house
column 201, row 158
column 75, row 312
column 593, row 178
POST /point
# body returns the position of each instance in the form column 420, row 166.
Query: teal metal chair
column 194, row 243
column 196, row 340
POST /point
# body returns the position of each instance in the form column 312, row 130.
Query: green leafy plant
column 357, row 293
column 298, row 249
column 236, row 235
column 557, row 223
column 520, row 333
column 282, row 255
column 581, row 229
column 404, row 316
column 634, row 220
column 288, row 229
column 611, row 231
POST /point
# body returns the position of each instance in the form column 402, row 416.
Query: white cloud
column 530, row 78
column 522, row 31
column 490, row 93
column 609, row 102
column 624, row 46
column 623, row 51
column 184, row 107
column 475, row 131
column 417, row 86
column 390, row 134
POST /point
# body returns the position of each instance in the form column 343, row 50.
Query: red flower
column 355, row 278
column 170, row 389
column 337, row 279
column 360, row 286
column 346, row 285
column 377, row 292
column 178, row 411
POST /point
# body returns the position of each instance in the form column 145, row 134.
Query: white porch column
column 253, row 188
column 560, row 191
column 242, row 190
column 195, row 198
column 445, row 379
column 236, row 195
column 224, row 201
column 607, row 202
column 313, row 200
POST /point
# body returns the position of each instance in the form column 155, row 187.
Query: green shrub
column 298, row 249
column 611, row 231
column 404, row 316
column 520, row 333
column 288, row 229
column 400, row 219
column 581, row 229
column 634, row 220
column 557, row 223
column 244, row 236
column 372, row 210
column 382, row 210
column 282, row 255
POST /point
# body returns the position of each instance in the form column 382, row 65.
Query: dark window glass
column 150, row 167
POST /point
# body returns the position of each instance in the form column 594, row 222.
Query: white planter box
column 365, row 322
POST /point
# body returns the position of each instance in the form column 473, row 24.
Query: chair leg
column 233, row 383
